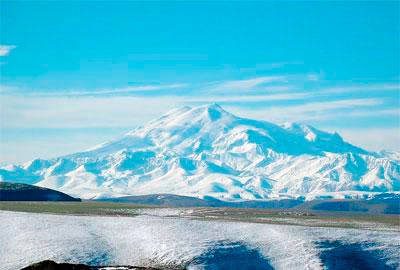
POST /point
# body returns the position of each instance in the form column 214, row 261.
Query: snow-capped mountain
column 207, row 152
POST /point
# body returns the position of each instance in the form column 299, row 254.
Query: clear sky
column 77, row 73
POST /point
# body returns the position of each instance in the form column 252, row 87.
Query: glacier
column 207, row 152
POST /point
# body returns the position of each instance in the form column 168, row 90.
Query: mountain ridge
column 207, row 151
column 23, row 192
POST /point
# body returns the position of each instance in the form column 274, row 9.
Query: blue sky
column 76, row 73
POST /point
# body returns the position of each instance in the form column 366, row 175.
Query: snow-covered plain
column 207, row 152
column 162, row 241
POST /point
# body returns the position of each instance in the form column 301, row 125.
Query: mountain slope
column 207, row 152
column 24, row 192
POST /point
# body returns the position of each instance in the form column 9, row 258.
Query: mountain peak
column 214, row 107
column 189, row 116
column 310, row 133
column 181, row 128
column 212, row 111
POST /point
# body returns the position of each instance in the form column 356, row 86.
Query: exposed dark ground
column 380, row 204
column 23, row 192
column 51, row 265
column 271, row 216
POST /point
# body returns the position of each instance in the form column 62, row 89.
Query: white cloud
column 247, row 84
column 336, row 104
column 80, row 112
column 4, row 89
column 362, row 87
column 373, row 139
column 30, row 144
column 308, row 111
column 269, row 66
column 370, row 113
column 144, row 88
column 246, row 98
column 6, row 49
column 280, row 88
column 97, row 92
column 117, row 111
column 97, row 111
column 313, row 77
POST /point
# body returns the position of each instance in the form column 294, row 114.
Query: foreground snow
column 161, row 241
column 206, row 151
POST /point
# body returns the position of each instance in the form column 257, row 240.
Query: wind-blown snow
column 160, row 241
column 206, row 151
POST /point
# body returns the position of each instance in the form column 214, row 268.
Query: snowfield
column 207, row 152
column 161, row 241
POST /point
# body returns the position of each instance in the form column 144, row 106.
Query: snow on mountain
column 207, row 152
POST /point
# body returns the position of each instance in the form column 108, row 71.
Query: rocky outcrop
column 24, row 192
column 51, row 265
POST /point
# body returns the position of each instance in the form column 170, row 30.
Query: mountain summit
column 206, row 151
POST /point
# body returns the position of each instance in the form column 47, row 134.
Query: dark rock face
column 24, row 192
column 51, row 265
